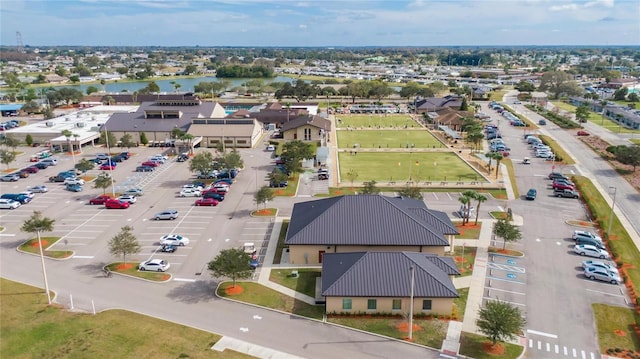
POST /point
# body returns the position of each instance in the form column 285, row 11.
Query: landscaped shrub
column 554, row 117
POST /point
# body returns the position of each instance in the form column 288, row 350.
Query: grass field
column 304, row 283
column 374, row 121
column 387, row 167
column 388, row 139
column 611, row 318
column 596, row 118
column 32, row 329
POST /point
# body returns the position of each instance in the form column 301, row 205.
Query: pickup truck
column 566, row 193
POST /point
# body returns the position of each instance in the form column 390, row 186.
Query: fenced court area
column 388, row 139
column 400, row 166
column 375, row 121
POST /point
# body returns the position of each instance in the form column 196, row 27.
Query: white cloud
column 302, row 26
column 605, row 3
column 564, row 7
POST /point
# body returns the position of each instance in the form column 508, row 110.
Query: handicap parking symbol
column 511, row 261
column 511, row 276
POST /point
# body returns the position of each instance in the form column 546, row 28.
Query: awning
column 451, row 133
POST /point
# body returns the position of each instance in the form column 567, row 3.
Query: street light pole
column 411, row 269
column 615, row 190
column 44, row 270
column 106, row 138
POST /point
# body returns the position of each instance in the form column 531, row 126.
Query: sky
column 320, row 23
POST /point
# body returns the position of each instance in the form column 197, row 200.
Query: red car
column 206, row 202
column 211, row 190
column 100, row 199
column 583, row 133
column 559, row 185
column 31, row 169
column 116, row 204
column 149, row 163
column 107, row 167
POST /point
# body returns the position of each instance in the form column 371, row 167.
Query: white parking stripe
column 530, row 343
column 557, row 349
column 584, row 355
column 565, row 351
column 548, row 347
column 575, row 354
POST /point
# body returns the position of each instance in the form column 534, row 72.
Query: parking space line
column 506, row 280
column 531, row 331
column 505, row 291
column 606, row 293
column 506, row 301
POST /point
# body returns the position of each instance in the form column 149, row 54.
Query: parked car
column 583, row 133
column 254, row 263
column 31, row 169
column 10, row 178
column 74, row 188
column 134, row 192
column 206, row 202
column 100, row 199
column 128, row 198
column 591, row 242
column 542, row 122
column 215, row 195
column 531, row 194
column 149, row 164
column 182, row 158
column 275, row 184
column 50, row 161
column 116, row 204
column 16, row 197
column 38, row 189
column 107, row 167
column 565, row 181
column 193, row 186
column 585, row 234
column 169, row 214
column 158, row 159
column 190, row 192
column 168, row 248
column 74, row 180
column 41, row 165
column 591, row 251
column 227, row 181
column 155, row 265
column 603, row 275
column 558, row 186
column 566, row 193
column 174, row 239
column 144, row 169
column 6, row 203
column 28, row 194
column 554, row 175
column 599, row 264
column 102, row 156
column 221, row 187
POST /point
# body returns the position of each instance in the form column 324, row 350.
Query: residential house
column 364, row 223
column 307, row 128
column 381, row 282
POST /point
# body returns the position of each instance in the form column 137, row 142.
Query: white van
column 271, row 148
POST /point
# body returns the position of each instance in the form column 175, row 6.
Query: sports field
column 374, row 121
column 387, row 139
column 398, row 166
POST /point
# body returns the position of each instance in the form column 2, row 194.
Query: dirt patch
column 600, row 146
column 45, row 244
column 491, row 349
column 234, row 290
column 125, row 266
column 620, row 333
column 404, row 327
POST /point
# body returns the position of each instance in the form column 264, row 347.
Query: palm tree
column 37, row 224
column 188, row 138
column 75, row 138
column 498, row 157
column 471, row 195
column 480, row 198
column 464, row 212
column 68, row 134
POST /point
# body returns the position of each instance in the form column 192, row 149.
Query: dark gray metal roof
column 436, row 219
column 387, row 274
column 370, row 220
column 136, row 121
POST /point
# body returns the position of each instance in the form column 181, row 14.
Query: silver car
column 592, row 263
column 170, row 214
column 128, row 198
column 38, row 189
column 603, row 275
column 155, row 265
column 591, row 251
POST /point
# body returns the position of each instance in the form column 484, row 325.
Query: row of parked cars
column 539, row 149
column 7, row 125
column 591, row 245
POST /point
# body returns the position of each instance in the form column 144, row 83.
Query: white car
column 128, row 198
column 9, row 204
column 27, row 193
column 134, row 192
column 156, row 265
column 174, row 239
column 190, row 192
column 603, row 275
column 160, row 160
column 220, row 187
column 591, row 251
column 38, row 189
column 192, row 186
column 162, row 156
column 592, row 263
column 74, row 180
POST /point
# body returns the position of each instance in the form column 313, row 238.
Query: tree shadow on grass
column 195, row 292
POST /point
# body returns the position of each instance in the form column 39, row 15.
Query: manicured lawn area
column 266, row 297
column 609, row 319
column 429, row 332
column 283, row 234
column 512, row 176
column 31, row 246
column 374, row 121
column 388, row 167
column 464, row 261
column 471, row 346
column 388, row 139
column 469, row 230
column 597, row 119
column 305, row 283
column 460, row 303
column 32, row 329
column 635, row 140
column 290, row 190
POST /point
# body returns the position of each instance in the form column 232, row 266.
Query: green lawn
column 611, row 318
column 281, row 246
column 31, row 246
column 388, row 139
column 597, row 119
column 374, row 121
column 635, row 140
column 388, row 167
column 305, row 283
column 471, row 346
column 460, row 303
column 465, row 266
column 32, row 329
column 557, row 149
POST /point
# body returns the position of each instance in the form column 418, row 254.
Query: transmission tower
column 19, row 42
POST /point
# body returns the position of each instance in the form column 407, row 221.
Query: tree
column 103, row 181
column 464, row 213
column 464, row 106
column 84, row 165
column 91, row 89
column 38, row 224
column 507, row 231
column 351, row 176
column 201, row 163
column 264, row 195
column 143, row 138
column 411, row 192
column 28, row 140
column 629, row 155
column 558, row 82
column 633, row 97
column 68, row 134
column 126, row 141
column 480, row 198
column 188, row 138
column 230, row 160
column 231, row 263
column 107, row 137
column 525, row 86
column 500, row 321
column 123, row 243
column 620, row 94
column 498, row 157
column 293, row 153
column 582, row 113
column 177, row 132
column 10, row 141
column 370, row 188
column 6, row 157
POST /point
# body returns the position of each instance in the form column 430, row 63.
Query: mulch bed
column 234, row 290
column 491, row 349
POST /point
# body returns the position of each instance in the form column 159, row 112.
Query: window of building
column 426, row 304
column 372, row 304
column 242, row 141
column 346, row 303
column 396, row 304
column 307, row 134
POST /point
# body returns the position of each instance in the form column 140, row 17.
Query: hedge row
column 553, row 117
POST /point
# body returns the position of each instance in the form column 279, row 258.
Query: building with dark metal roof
column 365, row 223
column 380, row 282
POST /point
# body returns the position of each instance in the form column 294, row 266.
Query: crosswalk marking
column 546, row 346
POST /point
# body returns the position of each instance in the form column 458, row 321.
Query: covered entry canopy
column 451, row 133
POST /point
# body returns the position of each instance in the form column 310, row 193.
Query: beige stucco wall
column 297, row 252
column 298, row 134
column 440, row 306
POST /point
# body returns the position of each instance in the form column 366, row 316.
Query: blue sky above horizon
column 319, row 23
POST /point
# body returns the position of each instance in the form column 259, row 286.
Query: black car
column 216, row 196
column 95, row 160
column 274, row 184
column 124, row 155
column 531, row 194
column 144, row 169
column 169, row 248
column 117, row 159
column 41, row 165
column 557, row 175
column 182, row 158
